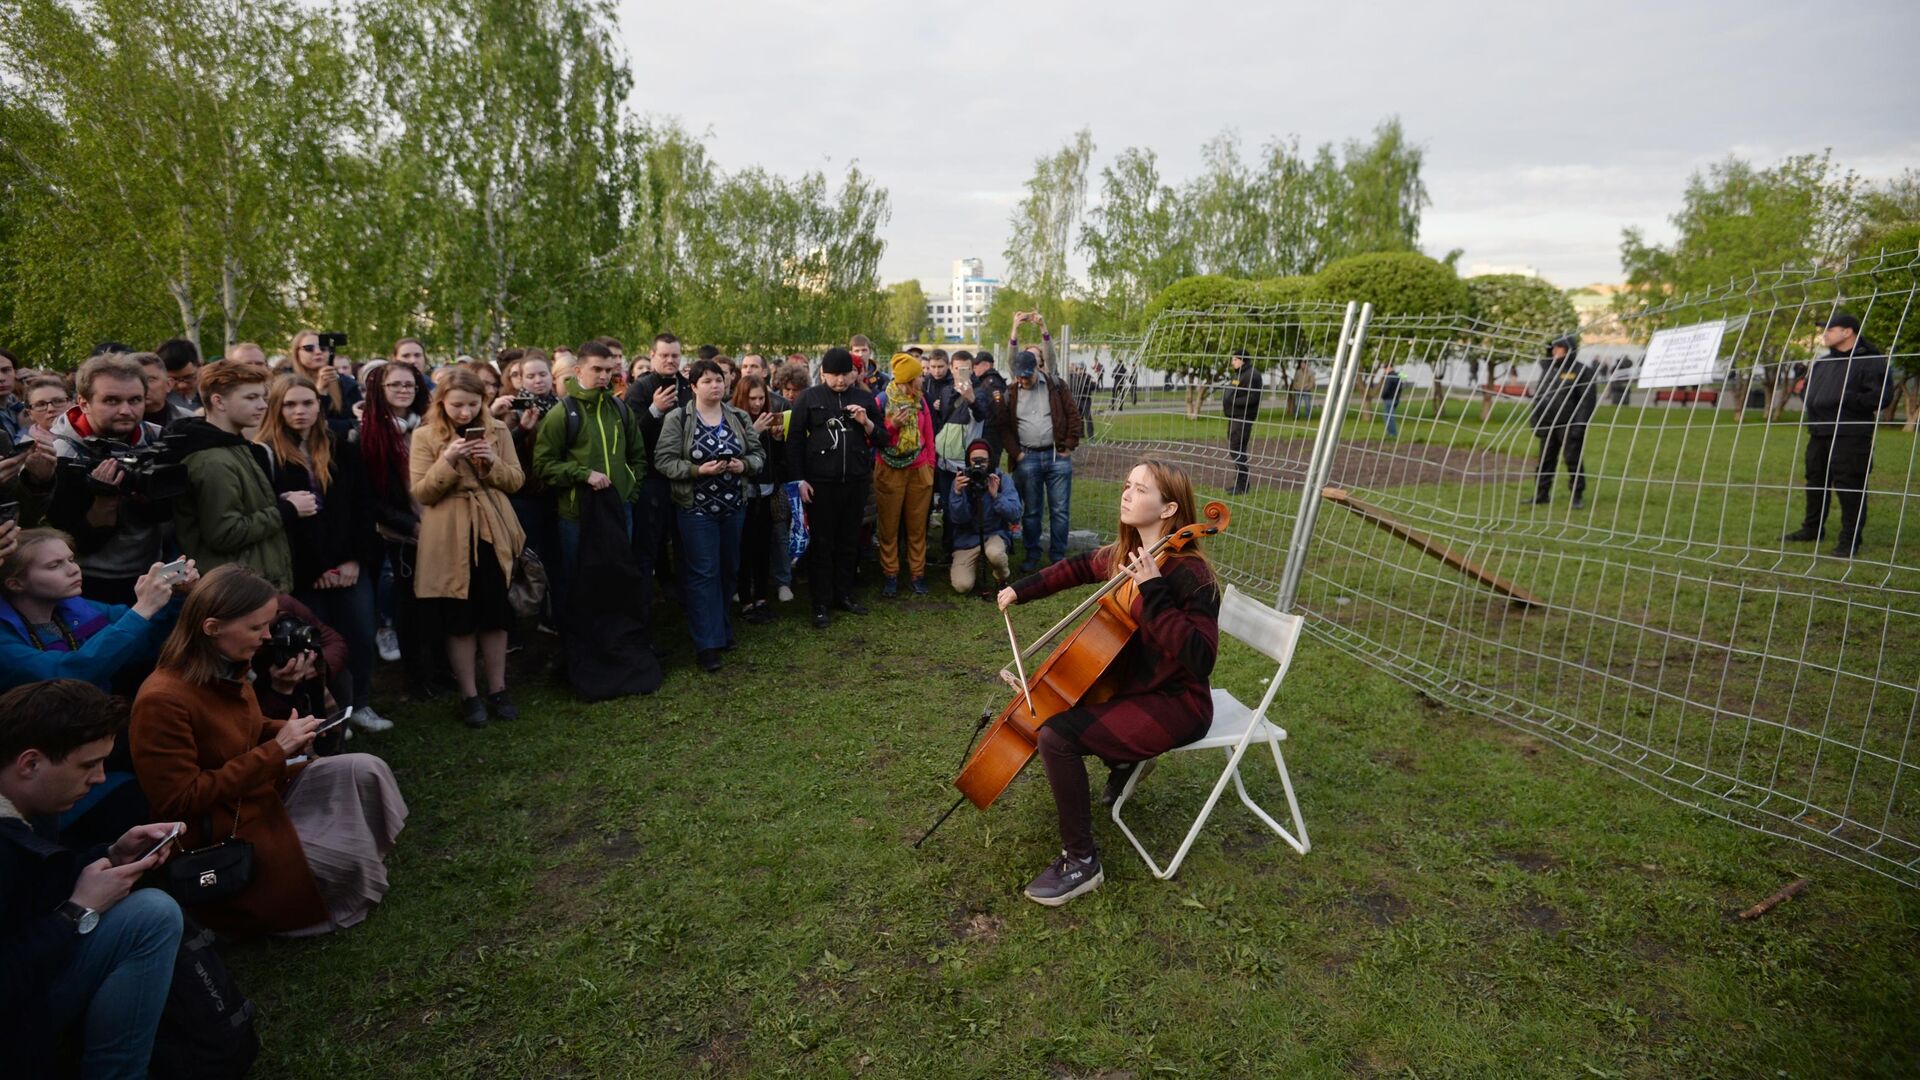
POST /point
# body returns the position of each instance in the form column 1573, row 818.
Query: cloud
column 1547, row 128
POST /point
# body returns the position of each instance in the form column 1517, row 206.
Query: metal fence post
column 1346, row 361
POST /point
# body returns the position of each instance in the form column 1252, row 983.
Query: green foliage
column 906, row 317
column 1883, row 297
column 1520, row 302
column 471, row 177
column 1042, row 228
column 1403, row 283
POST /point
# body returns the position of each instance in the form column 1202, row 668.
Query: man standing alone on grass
column 1241, row 404
column 1563, row 403
column 1846, row 391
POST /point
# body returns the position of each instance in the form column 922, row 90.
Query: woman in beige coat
column 463, row 469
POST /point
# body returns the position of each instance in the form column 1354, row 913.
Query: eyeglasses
column 51, row 404
column 309, row 348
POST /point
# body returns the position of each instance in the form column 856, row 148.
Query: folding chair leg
column 1232, row 771
column 1300, row 843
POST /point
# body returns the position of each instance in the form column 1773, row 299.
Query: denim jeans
column 710, row 555
column 117, row 980
column 350, row 613
column 1050, row 474
column 1390, row 406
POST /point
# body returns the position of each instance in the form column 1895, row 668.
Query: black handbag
column 214, row 872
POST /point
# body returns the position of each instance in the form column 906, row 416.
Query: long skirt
column 347, row 811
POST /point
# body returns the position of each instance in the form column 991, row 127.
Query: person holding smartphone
column 463, row 468
column 81, row 946
column 206, row 755
column 707, row 450
column 49, row 631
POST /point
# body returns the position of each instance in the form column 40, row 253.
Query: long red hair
column 1176, row 487
column 382, row 444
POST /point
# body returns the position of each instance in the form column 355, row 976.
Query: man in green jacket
column 590, row 443
column 230, row 514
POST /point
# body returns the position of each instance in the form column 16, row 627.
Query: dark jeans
column 1838, row 467
column 1044, row 476
column 115, row 982
column 350, row 613
column 653, row 532
column 1239, row 434
column 834, row 518
column 710, row 551
column 756, row 550
column 1562, row 440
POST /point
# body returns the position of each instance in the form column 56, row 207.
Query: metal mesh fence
column 1666, row 627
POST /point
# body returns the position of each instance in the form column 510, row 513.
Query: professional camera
column 526, row 399
column 977, row 478
column 152, row 471
column 289, row 636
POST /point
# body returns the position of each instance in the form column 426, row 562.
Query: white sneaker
column 367, row 720
column 786, row 595
column 388, row 643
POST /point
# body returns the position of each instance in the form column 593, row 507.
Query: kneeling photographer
column 301, row 670
column 114, row 489
column 981, row 507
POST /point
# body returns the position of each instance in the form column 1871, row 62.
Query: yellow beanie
column 906, row 367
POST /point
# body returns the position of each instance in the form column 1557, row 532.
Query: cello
column 1074, row 673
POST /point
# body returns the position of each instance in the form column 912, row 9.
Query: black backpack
column 575, row 418
column 206, row 1030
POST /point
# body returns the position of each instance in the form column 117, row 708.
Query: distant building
column 962, row 313
column 1594, row 304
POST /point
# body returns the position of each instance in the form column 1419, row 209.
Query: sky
column 1547, row 127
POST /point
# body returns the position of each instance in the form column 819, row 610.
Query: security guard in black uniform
column 1563, row 402
column 1845, row 393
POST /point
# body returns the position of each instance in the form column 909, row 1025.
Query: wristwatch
column 84, row 919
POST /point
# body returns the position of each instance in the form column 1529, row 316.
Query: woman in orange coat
column 205, row 755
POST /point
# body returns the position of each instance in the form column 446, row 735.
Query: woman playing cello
column 1160, row 698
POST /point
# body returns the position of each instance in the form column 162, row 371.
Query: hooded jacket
column 112, row 637
column 611, row 440
column 1845, row 392
column 230, row 513
column 125, row 549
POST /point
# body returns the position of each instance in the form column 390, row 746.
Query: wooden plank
column 1432, row 547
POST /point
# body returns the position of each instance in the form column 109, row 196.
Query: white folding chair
column 1235, row 728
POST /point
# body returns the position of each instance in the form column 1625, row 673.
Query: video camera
column 288, row 637
column 525, row 400
column 151, row 470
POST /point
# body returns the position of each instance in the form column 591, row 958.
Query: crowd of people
column 203, row 563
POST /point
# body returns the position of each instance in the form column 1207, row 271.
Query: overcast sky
column 1545, row 132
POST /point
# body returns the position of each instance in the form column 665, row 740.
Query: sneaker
column 786, row 595
column 1802, row 535
column 388, row 643
column 366, row 719
column 919, row 586
column 889, row 586
column 473, row 712
column 1063, row 879
column 1117, row 779
column 502, row 706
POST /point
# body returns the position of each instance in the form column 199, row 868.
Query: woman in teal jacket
column 48, row 631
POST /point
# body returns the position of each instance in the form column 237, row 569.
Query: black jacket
column 988, row 392
column 36, row 941
column 1566, row 395
column 1846, row 391
column 824, row 444
column 1242, row 399
column 940, row 397
column 640, row 402
column 343, row 529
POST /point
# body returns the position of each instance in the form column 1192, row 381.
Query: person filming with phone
column 707, row 450
column 48, row 630
column 319, row 830
column 79, row 945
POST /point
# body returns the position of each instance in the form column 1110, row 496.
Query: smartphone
column 478, row 431
column 15, row 449
column 9, row 511
column 175, row 569
column 164, row 841
column 334, row 721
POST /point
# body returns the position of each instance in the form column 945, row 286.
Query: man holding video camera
column 104, row 492
column 982, row 505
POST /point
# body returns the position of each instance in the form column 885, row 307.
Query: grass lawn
column 717, row 880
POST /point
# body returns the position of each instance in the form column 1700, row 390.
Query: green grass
column 717, row 880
